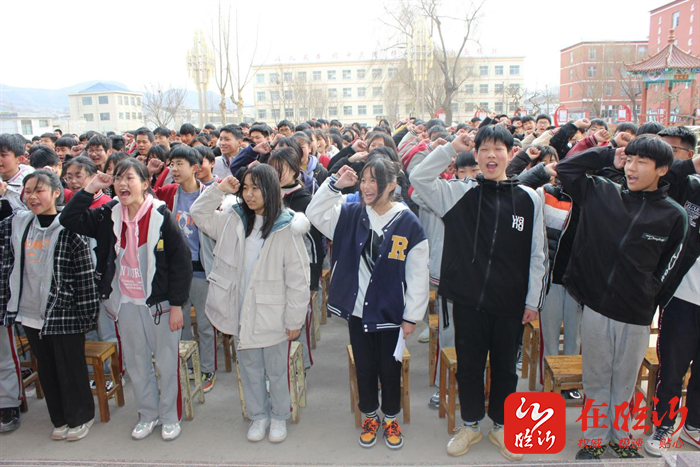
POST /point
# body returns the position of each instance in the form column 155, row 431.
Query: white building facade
column 105, row 107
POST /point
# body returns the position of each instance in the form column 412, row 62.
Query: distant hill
column 56, row 100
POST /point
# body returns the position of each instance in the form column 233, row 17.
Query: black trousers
column 64, row 377
column 678, row 345
column 374, row 363
column 478, row 335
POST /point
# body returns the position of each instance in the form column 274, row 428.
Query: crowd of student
column 510, row 219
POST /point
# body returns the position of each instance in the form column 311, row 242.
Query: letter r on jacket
column 398, row 247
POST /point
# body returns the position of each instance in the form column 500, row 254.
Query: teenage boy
column 98, row 150
column 681, row 139
column 12, row 174
column 627, row 242
column 185, row 163
column 162, row 136
column 285, row 128
column 63, row 147
column 188, row 132
column 494, row 239
column 144, row 140
column 205, row 174
column 259, row 150
column 528, row 124
column 48, row 139
column 542, row 122
column 230, row 137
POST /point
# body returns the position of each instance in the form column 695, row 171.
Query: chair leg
column 197, row 375
column 227, row 352
column 186, row 390
column 451, row 403
column 117, row 379
column 406, row 393
column 99, row 372
column 443, row 389
column 240, row 392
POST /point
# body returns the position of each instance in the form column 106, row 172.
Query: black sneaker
column 629, row 452
column 573, row 394
column 9, row 419
column 519, row 362
column 590, row 453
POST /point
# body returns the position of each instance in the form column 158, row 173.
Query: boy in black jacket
column 628, row 240
column 494, row 235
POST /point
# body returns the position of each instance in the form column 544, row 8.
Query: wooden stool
column 448, row 386
column 297, row 379
column 405, row 388
column 563, row 373
column 315, row 320
column 433, row 325
column 325, row 284
column 431, row 302
column 531, row 352
column 229, row 351
column 189, row 350
column 22, row 345
column 96, row 354
column 193, row 319
column 648, row 371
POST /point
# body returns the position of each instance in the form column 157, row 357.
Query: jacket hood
column 299, row 223
column 313, row 162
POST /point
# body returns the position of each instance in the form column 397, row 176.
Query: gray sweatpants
column 10, row 379
column 560, row 307
column 207, row 335
column 142, row 339
column 272, row 362
column 106, row 332
column 446, row 332
column 612, row 353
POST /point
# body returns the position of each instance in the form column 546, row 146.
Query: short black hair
column 43, row 156
column 322, row 121
column 544, row 116
column 159, row 151
column 215, row 133
column 118, row 143
column 599, row 122
column 235, row 130
column 188, row 129
column 687, row 137
column 465, row 159
column 262, row 128
column 162, row 131
column 187, row 153
column 206, row 153
column 83, row 163
column 286, row 123
column 495, row 133
column 434, row 122
column 60, row 132
column 335, row 122
column 209, row 126
column 651, row 147
column 628, row 127
column 99, row 140
column 650, row 128
column 244, row 125
column 516, row 118
column 475, row 119
column 527, row 118
column 36, row 138
column 143, row 131
column 65, row 142
column 300, row 127
column 52, row 136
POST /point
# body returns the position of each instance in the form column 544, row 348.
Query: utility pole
column 201, row 65
column 420, row 59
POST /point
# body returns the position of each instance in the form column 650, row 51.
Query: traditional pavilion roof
column 669, row 58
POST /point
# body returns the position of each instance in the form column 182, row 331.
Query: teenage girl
column 379, row 282
column 143, row 274
column 258, row 287
column 47, row 284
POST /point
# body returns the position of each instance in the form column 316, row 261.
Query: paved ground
column 325, row 436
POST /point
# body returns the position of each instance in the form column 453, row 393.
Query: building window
column 377, row 91
column 121, row 115
column 303, row 112
column 316, row 76
column 361, row 110
column 377, row 109
column 330, row 75
column 361, row 92
column 121, row 100
column 332, row 93
column 261, row 96
column 571, row 57
column 347, row 74
column 262, row 113
column 499, row 107
column 484, row 70
column 103, row 100
column 455, row 107
column 274, row 78
column 592, row 54
column 140, row 116
column 43, row 123
column 376, row 73
column 347, row 92
column 89, row 117
column 133, row 102
column 590, row 90
column 571, row 74
column 469, row 89
column 609, row 89
column 483, row 89
column 591, row 71
column 138, row 101
column 274, row 96
column 104, row 116
column 571, row 91
column 514, row 87
column 288, row 112
column 87, row 100
column 347, row 110
column 275, row 114
column 498, row 88
column 128, row 116
column 301, row 77
column 484, row 105
column 392, row 72
column 642, row 50
column 690, row 42
column 27, row 127
column 361, row 73
column 470, row 107
column 287, row 76
column 260, row 78
column 288, row 95
column 333, row 111
column 498, row 70
column 514, row 69
column 676, row 19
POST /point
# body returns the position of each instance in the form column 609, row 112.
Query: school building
column 105, row 107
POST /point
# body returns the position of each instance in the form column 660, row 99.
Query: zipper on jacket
column 493, row 244
column 563, row 231
column 622, row 244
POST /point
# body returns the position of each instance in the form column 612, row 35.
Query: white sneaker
column 424, row 336
column 496, row 437
column 465, row 436
column 170, row 431
column 278, row 431
column 257, row 429
column 79, row 432
column 691, row 436
column 652, row 445
column 60, row 433
column 143, row 429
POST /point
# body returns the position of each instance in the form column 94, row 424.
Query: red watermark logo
column 535, row 423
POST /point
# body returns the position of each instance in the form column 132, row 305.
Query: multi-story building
column 106, row 107
column 367, row 90
column 25, row 124
column 679, row 15
column 593, row 80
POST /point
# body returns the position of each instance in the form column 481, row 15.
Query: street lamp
column 420, row 58
column 201, row 65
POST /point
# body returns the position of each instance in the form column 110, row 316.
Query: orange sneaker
column 368, row 437
column 392, row 434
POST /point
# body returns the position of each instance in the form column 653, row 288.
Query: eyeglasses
column 95, row 151
column 77, row 178
column 677, row 148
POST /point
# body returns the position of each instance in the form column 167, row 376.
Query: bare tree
column 220, row 37
column 160, row 104
column 242, row 72
column 443, row 19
